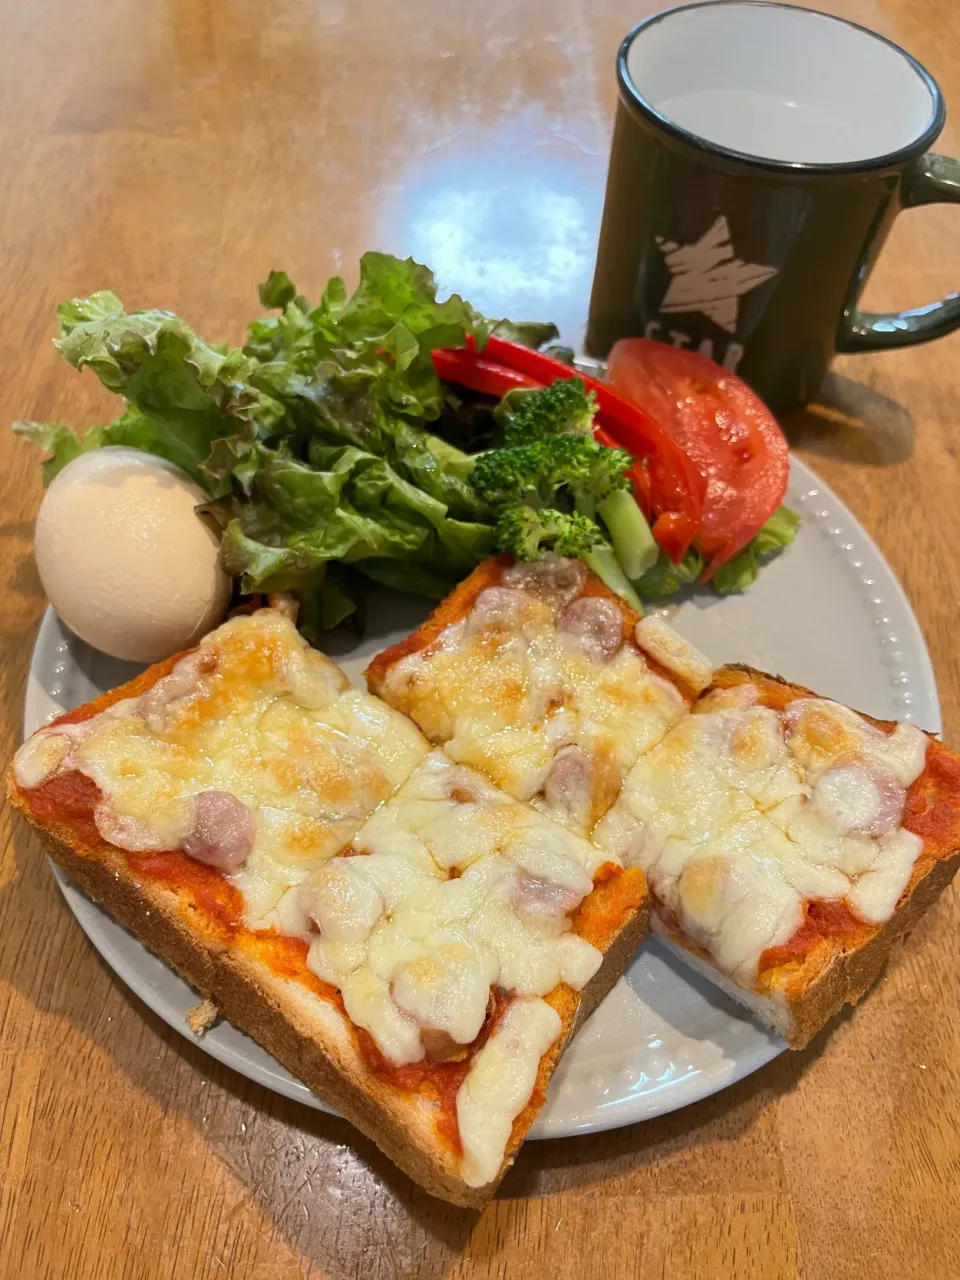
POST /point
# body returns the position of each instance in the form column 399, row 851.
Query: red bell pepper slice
column 489, row 377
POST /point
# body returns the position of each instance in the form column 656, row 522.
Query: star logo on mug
column 707, row 277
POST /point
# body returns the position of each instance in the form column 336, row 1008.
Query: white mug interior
column 780, row 83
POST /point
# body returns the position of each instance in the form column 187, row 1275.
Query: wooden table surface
column 175, row 152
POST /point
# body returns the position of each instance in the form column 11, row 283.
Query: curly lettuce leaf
column 291, row 342
column 349, row 506
column 199, row 401
column 394, row 314
column 132, row 429
column 314, row 440
column 375, row 486
column 388, row 327
column 741, row 572
column 59, row 442
column 78, row 311
column 323, row 596
column 665, row 578
column 400, row 292
column 339, row 598
column 779, row 531
column 359, row 371
column 278, row 289
column 433, row 581
column 339, row 407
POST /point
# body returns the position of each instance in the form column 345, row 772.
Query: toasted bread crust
column 312, row 1038
column 849, row 974
column 839, row 970
column 575, row 1008
column 250, row 997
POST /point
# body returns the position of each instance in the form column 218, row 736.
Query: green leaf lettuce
column 741, row 572
column 196, row 404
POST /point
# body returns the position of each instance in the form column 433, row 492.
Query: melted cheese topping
column 742, row 814
column 420, row 885
column 667, row 647
column 528, row 674
column 258, row 715
column 449, row 889
column 499, row 1084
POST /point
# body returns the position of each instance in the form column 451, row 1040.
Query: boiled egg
column 125, row 559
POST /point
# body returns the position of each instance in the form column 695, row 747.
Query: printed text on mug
column 732, row 354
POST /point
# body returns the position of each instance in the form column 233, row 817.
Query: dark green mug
column 760, row 155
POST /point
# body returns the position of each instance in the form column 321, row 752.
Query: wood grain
column 177, row 151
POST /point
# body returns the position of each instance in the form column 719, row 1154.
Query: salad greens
column 331, row 452
column 186, row 401
column 665, row 578
column 741, row 572
column 312, row 440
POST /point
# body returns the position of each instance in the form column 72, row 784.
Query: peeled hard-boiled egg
column 126, row 561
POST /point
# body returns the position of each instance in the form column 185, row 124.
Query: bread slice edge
column 799, row 1008
column 845, row 979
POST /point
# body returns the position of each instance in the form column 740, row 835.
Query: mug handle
column 933, row 180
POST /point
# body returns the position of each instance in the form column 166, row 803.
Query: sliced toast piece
column 134, row 762
column 545, row 679
column 820, row 839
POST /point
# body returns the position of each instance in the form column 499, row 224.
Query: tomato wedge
column 720, row 424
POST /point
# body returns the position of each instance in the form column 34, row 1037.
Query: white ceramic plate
column 828, row 614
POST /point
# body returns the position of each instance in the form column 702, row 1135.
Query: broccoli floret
column 552, row 479
column 538, row 471
column 606, row 470
column 526, row 533
column 506, row 475
column 563, row 408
